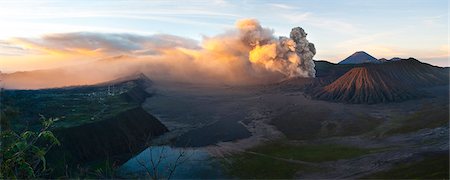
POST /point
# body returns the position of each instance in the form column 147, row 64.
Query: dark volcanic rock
column 325, row 69
column 114, row 136
column 381, row 83
column 364, row 85
column 121, row 134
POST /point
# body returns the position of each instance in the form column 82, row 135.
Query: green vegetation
column 428, row 117
column 311, row 153
column 280, row 160
column 23, row 154
column 31, row 154
column 250, row 166
column 74, row 106
column 431, row 167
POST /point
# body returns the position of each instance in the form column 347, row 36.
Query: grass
column 246, row 165
column 428, row 117
column 311, row 153
column 250, row 166
column 431, row 167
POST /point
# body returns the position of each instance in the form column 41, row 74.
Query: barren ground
column 225, row 120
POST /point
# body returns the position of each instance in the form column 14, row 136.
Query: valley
column 223, row 89
column 242, row 130
column 273, row 115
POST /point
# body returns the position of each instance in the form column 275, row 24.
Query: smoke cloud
column 249, row 54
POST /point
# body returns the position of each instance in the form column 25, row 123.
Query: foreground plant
column 23, row 154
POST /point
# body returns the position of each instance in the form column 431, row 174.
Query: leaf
column 47, row 123
column 21, row 146
column 26, row 168
column 41, row 155
column 27, row 134
column 22, row 151
column 49, row 136
column 34, row 149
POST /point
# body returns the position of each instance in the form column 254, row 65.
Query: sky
column 338, row 28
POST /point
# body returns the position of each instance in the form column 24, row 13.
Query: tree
column 154, row 167
column 159, row 163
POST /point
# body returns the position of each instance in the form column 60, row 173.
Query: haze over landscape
column 224, row 89
column 28, row 33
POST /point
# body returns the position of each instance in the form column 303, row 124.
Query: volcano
column 359, row 58
column 381, row 83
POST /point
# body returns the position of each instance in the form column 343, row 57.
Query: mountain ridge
column 382, row 83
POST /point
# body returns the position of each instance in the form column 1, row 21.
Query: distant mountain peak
column 396, row 59
column 359, row 57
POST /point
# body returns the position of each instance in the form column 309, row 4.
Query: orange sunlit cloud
column 248, row 54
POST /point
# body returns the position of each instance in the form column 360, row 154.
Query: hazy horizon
column 33, row 31
column 224, row 89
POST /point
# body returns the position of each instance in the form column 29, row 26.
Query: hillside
column 381, row 83
column 125, row 133
column 95, row 122
column 364, row 85
column 77, row 104
column 414, row 73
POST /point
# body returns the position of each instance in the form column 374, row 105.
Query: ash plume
column 291, row 57
column 305, row 50
column 248, row 54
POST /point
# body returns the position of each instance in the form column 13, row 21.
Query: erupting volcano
column 248, row 54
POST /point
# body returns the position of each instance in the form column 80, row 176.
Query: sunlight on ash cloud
column 248, row 54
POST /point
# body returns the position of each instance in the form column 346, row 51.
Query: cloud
column 91, row 44
column 296, row 17
column 438, row 20
column 9, row 49
column 248, row 54
column 282, row 6
column 365, row 39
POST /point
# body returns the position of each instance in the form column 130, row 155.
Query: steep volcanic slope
column 126, row 131
column 364, row 85
column 359, row 58
column 378, row 83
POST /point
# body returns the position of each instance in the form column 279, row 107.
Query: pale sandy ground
column 401, row 148
column 226, row 120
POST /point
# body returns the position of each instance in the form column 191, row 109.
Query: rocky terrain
column 381, row 83
column 351, row 121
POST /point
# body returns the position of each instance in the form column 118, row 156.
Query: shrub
column 23, row 154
